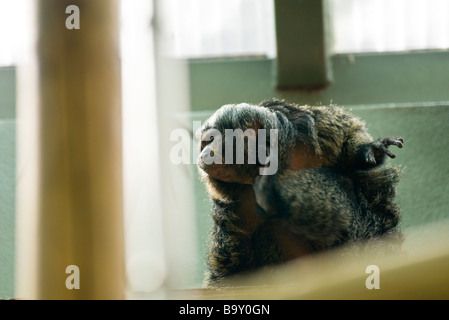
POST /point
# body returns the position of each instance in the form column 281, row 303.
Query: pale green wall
column 7, row 181
column 359, row 79
column 7, row 93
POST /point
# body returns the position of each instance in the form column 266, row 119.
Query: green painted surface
column 7, row 93
column 214, row 83
column 7, row 207
column 389, row 78
column 7, row 181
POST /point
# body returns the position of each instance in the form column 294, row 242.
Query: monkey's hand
column 375, row 152
column 265, row 193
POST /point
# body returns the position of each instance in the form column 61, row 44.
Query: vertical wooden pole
column 80, row 172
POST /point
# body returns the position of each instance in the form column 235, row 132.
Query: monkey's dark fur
column 331, row 188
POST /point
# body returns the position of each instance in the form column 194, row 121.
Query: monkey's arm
column 346, row 142
column 229, row 251
column 314, row 204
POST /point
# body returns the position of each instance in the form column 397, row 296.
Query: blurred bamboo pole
column 80, row 172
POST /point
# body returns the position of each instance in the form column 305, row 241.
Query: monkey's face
column 234, row 144
column 223, row 158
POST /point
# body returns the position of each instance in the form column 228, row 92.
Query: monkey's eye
column 206, row 140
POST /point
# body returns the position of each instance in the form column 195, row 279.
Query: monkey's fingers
column 391, row 141
column 388, row 152
column 378, row 149
column 398, row 142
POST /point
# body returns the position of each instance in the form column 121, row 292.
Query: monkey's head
column 240, row 141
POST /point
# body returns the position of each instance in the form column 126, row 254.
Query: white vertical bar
column 395, row 28
column 249, row 28
column 268, row 31
column 358, row 26
column 27, row 200
column 176, row 180
column 416, row 24
column 236, row 35
column 210, row 27
column 438, row 33
column 145, row 256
